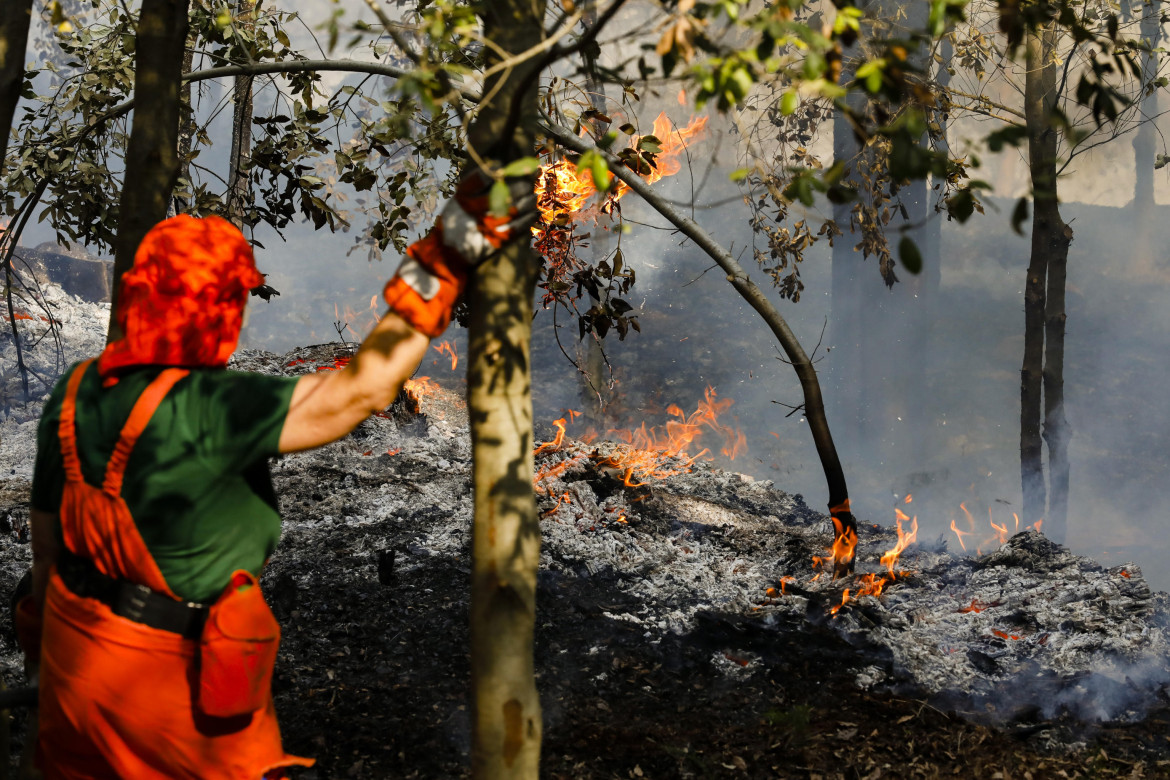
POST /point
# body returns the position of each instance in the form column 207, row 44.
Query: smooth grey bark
column 1042, row 371
column 152, row 163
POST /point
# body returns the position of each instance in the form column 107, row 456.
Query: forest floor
column 644, row 671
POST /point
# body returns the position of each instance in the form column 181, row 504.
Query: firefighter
column 153, row 510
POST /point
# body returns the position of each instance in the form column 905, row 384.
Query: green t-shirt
column 197, row 483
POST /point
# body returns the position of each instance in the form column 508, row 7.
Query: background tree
column 15, row 17
column 152, row 162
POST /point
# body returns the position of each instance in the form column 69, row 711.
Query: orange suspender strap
column 66, row 430
column 140, row 415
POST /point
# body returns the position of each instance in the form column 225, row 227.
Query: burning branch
column 737, row 276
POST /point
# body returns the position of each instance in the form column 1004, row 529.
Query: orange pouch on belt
column 237, row 651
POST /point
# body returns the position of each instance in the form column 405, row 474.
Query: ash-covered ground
column 683, row 630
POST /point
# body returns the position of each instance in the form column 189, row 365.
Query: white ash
column 1029, row 628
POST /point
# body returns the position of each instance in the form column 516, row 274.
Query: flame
column 554, row 471
column 1001, row 531
column 844, row 544
column 420, row 386
column 563, row 195
column 562, row 190
column 563, row 498
column 556, row 442
column 448, row 348
column 905, row 539
column 908, row 499
column 649, row 452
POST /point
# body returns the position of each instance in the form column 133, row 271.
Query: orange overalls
column 117, row 697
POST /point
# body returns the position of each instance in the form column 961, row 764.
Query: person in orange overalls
column 153, row 510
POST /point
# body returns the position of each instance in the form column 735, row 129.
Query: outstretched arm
column 328, row 405
column 421, row 296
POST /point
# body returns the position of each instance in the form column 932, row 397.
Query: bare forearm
column 329, row 405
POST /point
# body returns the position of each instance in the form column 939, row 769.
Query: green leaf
column 594, row 163
column 910, row 256
column 525, row 166
column 1012, row 135
column 789, row 102
column 739, row 174
column 961, row 205
column 499, row 199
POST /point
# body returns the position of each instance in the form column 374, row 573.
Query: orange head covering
column 182, row 303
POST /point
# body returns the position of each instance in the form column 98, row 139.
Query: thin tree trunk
column 152, row 162
column 1145, row 141
column 14, row 21
column 1048, row 230
column 506, row 719
column 1056, row 428
column 814, row 406
column 186, row 128
column 239, row 191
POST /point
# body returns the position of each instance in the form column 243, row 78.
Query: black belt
column 131, row 600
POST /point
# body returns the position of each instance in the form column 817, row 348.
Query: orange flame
column 562, row 190
column 648, row 450
column 905, row 539
column 556, row 442
column 448, row 348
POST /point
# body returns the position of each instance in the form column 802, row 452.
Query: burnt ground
column 660, row 652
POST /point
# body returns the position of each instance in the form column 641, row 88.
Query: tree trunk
column 506, row 719
column 152, row 162
column 1048, row 235
column 1145, row 141
column 1056, row 428
column 186, row 128
column 14, row 21
column 239, row 189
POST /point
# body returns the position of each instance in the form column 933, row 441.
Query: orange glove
column 432, row 277
column 28, row 619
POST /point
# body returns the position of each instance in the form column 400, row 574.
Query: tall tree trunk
column 506, row 719
column 14, row 21
column 152, row 162
column 239, row 189
column 1050, row 238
